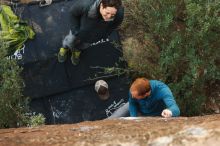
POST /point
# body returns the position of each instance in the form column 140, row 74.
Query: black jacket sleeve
column 77, row 10
column 118, row 18
column 117, row 21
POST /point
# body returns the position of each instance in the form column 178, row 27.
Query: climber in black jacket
column 92, row 20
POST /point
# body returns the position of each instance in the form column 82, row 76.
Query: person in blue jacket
column 151, row 98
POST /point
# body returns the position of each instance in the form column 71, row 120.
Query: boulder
column 125, row 131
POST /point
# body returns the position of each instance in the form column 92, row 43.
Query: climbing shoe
column 75, row 57
column 62, row 55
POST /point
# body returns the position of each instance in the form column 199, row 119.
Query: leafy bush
column 13, row 105
column 14, row 32
column 36, row 120
column 184, row 39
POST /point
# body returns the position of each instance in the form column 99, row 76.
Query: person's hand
column 166, row 113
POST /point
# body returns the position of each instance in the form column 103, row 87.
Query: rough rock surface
column 193, row 131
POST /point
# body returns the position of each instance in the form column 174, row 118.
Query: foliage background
column 14, row 111
column 176, row 41
column 12, row 103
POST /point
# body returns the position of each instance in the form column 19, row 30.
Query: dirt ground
column 194, row 131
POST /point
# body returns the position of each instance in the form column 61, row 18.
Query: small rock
column 195, row 131
column 87, row 128
column 161, row 141
column 130, row 118
column 121, row 144
column 84, row 128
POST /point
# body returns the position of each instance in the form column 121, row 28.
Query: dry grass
column 142, row 57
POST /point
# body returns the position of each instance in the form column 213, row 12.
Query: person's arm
column 171, row 103
column 118, row 18
column 76, row 11
column 132, row 106
column 116, row 22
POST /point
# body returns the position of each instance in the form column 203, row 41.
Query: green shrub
column 142, row 57
column 36, row 120
column 186, row 35
column 13, row 105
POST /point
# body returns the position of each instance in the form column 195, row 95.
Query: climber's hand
column 166, row 113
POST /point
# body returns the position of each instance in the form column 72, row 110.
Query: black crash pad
column 62, row 92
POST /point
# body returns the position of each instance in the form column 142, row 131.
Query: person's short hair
column 141, row 85
column 101, row 87
column 111, row 3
